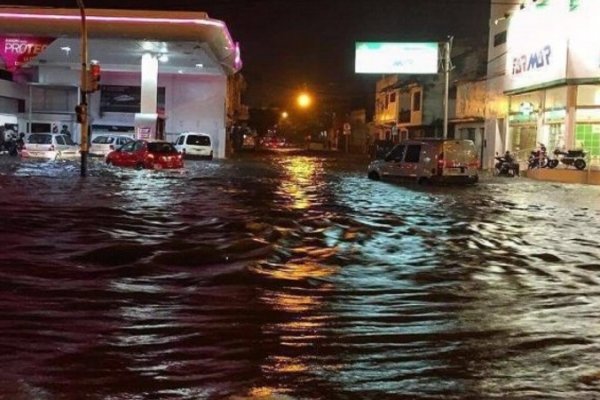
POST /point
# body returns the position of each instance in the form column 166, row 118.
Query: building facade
column 544, row 77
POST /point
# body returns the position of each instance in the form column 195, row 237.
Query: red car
column 141, row 154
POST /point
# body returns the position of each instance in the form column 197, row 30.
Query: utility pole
column 82, row 108
column 447, row 68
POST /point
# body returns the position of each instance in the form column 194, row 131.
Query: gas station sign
column 17, row 51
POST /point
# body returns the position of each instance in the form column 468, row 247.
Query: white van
column 194, row 144
column 429, row 160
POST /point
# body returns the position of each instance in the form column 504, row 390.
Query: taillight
column 111, row 147
column 51, row 147
column 440, row 163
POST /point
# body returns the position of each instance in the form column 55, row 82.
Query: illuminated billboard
column 396, row 58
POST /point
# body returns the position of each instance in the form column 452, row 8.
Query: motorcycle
column 506, row 168
column 537, row 159
column 575, row 158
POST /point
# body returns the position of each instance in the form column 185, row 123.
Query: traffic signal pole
column 82, row 109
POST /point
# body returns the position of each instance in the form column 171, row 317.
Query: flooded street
column 294, row 277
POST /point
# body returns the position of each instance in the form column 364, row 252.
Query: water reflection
column 293, row 277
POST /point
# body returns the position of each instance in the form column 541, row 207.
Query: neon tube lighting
column 99, row 18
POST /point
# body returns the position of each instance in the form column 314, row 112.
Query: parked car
column 52, row 146
column 104, row 144
column 194, row 144
column 429, row 160
column 273, row 142
column 140, row 154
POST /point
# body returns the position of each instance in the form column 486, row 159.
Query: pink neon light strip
column 111, row 19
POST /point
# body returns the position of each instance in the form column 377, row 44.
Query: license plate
column 455, row 171
column 157, row 166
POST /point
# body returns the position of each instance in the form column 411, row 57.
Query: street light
column 284, row 115
column 304, row 100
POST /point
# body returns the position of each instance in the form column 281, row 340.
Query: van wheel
column 423, row 181
column 139, row 166
column 374, row 176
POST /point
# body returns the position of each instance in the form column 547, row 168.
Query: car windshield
column 161, row 147
column 103, row 140
column 37, row 138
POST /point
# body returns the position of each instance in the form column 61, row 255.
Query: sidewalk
column 564, row 175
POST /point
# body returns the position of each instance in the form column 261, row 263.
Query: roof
column 132, row 25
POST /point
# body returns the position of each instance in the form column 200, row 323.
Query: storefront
column 553, row 77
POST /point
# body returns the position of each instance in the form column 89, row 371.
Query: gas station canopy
column 188, row 42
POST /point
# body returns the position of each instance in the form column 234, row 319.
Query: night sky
column 290, row 44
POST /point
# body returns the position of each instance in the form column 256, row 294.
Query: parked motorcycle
column 537, row 159
column 575, row 158
column 506, row 167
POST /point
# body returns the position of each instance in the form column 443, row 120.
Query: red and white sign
column 17, row 51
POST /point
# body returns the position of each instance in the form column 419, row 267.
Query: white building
column 543, row 81
column 162, row 72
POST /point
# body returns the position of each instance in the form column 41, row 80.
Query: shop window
column 588, row 95
column 587, row 137
column 392, row 97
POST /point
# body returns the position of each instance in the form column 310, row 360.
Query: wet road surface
column 289, row 276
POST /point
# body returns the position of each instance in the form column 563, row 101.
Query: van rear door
column 460, row 157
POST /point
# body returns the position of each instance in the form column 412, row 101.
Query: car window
column 60, row 140
column 102, row 140
column 198, row 140
column 180, row 140
column 139, row 145
column 413, row 153
column 128, row 147
column 123, row 140
column 396, row 153
column 38, row 138
column 68, row 140
column 161, row 147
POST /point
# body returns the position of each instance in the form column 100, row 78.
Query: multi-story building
column 544, row 77
column 412, row 106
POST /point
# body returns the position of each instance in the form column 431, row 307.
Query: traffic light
column 93, row 77
column 81, row 111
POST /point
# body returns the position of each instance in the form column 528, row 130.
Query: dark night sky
column 287, row 44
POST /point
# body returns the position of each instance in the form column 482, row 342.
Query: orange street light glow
column 304, row 100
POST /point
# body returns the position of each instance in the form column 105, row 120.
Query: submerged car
column 429, row 161
column 145, row 154
column 104, row 144
column 51, row 146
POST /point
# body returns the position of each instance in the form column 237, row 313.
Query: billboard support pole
column 447, row 68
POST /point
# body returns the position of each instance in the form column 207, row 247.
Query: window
column 396, row 154
column 39, row 139
column 68, row 140
column 180, row 140
column 413, row 153
column 499, row 38
column 392, row 97
column 139, row 145
column 198, row 140
column 129, row 146
column 60, row 140
column 159, row 147
column 122, row 140
column 103, row 140
column 416, row 106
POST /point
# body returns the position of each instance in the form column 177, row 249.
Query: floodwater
column 294, row 277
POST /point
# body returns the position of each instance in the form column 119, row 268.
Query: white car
column 52, row 146
column 192, row 144
column 104, row 144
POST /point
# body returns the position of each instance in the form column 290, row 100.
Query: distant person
column 65, row 131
